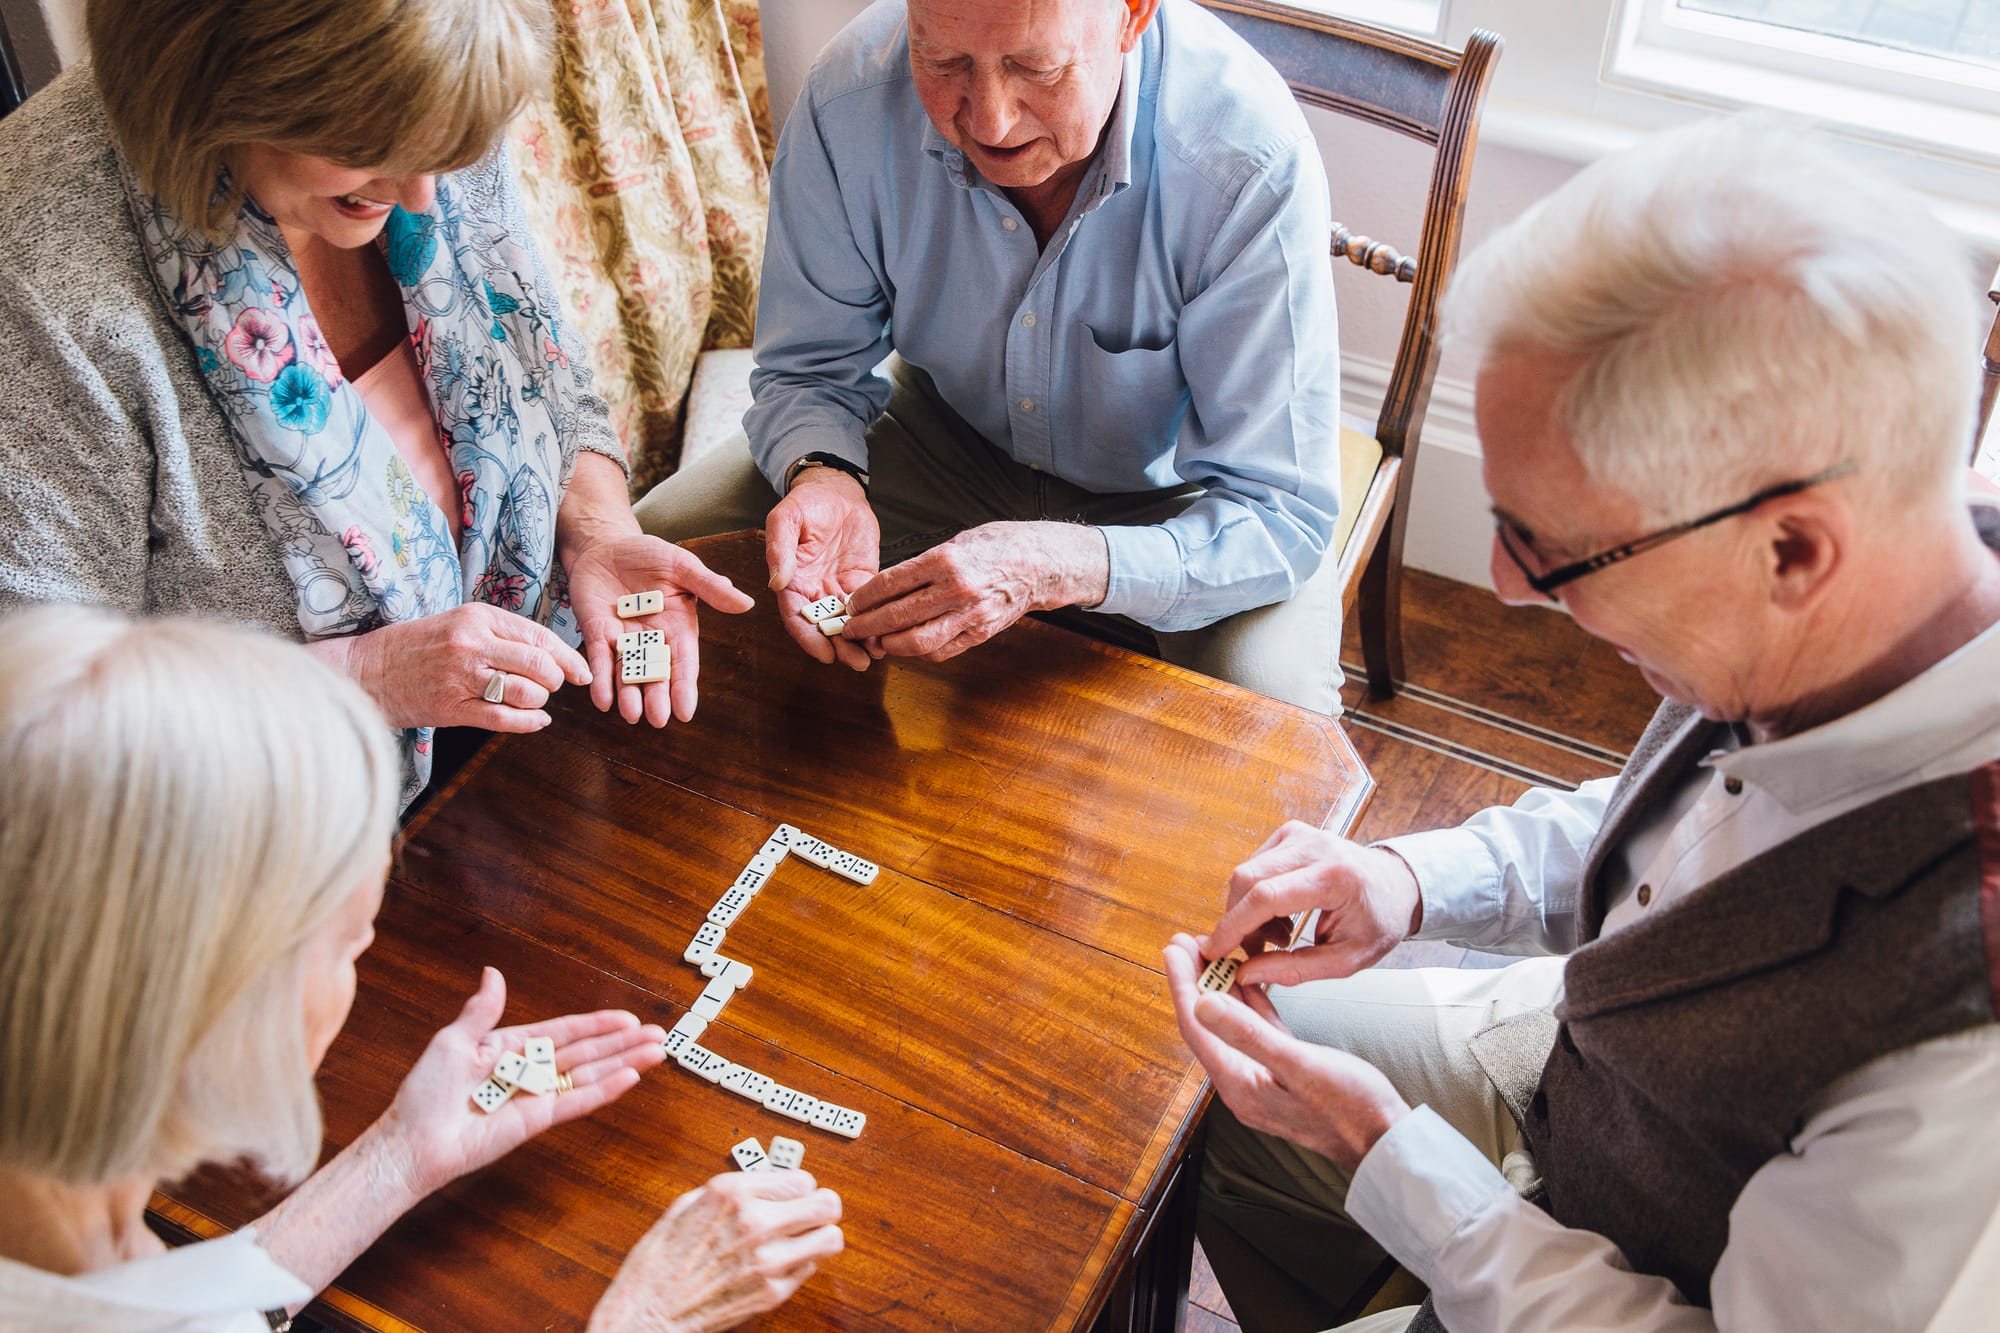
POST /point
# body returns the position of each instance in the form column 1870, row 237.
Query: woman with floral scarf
column 283, row 350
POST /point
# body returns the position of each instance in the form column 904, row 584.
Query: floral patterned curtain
column 646, row 174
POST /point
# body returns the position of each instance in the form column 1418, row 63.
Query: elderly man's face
column 1689, row 614
column 1022, row 87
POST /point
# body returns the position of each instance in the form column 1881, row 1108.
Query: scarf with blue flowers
column 364, row 543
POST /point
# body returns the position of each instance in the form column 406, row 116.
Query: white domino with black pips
column 531, row 1070
column 826, row 608
column 726, row 976
column 640, row 604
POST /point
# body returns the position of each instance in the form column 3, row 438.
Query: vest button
column 1734, row 786
column 1645, row 895
column 1538, row 1105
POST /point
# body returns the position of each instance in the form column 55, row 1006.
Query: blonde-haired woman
column 282, row 349
column 194, row 831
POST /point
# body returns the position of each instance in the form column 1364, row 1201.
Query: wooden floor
column 1499, row 699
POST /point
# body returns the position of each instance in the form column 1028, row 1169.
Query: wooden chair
column 1989, row 388
column 1435, row 95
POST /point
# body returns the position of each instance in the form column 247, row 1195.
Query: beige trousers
column 931, row 476
column 1273, row 1217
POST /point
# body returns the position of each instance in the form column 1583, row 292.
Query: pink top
column 393, row 388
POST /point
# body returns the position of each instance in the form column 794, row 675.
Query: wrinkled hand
column 1367, row 899
column 735, row 1247
column 605, row 569
column 821, row 540
column 438, row 1133
column 433, row 672
column 960, row 594
column 1331, row 1102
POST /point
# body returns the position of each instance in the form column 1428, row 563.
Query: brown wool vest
column 1689, row 1045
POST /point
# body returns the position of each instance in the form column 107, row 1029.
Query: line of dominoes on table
column 727, row 976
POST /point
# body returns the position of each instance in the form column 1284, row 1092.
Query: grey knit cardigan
column 119, row 480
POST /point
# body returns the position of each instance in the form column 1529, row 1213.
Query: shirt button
column 1734, row 786
column 1008, row 224
column 1028, row 320
column 1027, row 404
column 1645, row 895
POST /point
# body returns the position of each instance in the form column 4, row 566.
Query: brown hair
column 399, row 87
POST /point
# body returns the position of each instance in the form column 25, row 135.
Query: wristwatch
column 834, row 461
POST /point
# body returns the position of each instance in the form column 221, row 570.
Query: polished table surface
column 1046, row 811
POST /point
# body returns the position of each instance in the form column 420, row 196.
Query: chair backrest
column 1421, row 89
column 1989, row 362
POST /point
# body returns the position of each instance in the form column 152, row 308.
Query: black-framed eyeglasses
column 1512, row 540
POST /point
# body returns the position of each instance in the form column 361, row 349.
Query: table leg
column 1151, row 1296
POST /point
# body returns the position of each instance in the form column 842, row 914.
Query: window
column 1921, row 74
column 1954, row 29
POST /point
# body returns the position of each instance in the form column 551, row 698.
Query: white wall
column 1532, row 144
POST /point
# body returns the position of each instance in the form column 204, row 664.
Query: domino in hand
column 825, row 608
column 643, row 666
column 640, row 640
column 749, row 1156
column 540, row 1075
column 1220, row 975
column 640, row 604
column 491, row 1095
column 787, row 1154
column 510, row 1068
column 832, row 626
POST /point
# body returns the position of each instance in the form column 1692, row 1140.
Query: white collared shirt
column 217, row 1286
column 1868, row 1220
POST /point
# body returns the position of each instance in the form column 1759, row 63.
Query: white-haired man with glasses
column 1749, row 1083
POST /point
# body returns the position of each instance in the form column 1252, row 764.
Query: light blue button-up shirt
column 1178, row 329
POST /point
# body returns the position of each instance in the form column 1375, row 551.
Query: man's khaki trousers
column 1273, row 1218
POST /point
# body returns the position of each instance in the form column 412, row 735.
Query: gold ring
column 496, row 687
column 564, row 1083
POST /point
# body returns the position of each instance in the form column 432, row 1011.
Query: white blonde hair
column 184, row 804
column 1746, row 307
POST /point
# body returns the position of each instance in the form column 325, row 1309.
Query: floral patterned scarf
column 364, row 544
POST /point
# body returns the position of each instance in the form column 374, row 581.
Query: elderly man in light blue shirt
column 1093, row 235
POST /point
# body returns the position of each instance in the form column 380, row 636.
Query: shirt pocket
column 1128, row 392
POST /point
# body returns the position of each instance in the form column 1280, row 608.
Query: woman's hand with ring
column 433, row 1132
column 438, row 671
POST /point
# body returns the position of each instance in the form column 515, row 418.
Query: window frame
column 1935, row 105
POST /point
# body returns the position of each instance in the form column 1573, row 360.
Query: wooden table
column 1046, row 812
